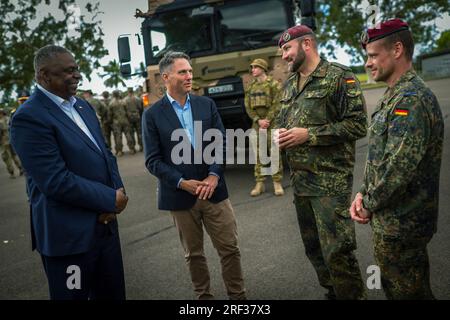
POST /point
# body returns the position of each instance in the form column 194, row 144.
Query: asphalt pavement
column 274, row 263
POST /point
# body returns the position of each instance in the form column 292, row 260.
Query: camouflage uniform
column 101, row 110
column 401, row 185
column 262, row 101
column 120, row 124
column 332, row 107
column 96, row 104
column 134, row 110
column 106, row 120
column 8, row 154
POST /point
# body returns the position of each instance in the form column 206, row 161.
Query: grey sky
column 118, row 18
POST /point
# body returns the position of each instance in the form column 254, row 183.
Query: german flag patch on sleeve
column 401, row 111
column 350, row 80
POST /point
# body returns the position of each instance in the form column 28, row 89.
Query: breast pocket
column 314, row 107
column 378, row 137
column 258, row 99
column 378, row 127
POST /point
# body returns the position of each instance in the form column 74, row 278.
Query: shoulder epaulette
column 341, row 66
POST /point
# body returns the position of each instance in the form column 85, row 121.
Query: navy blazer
column 158, row 123
column 70, row 181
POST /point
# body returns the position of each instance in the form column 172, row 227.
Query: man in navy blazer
column 193, row 190
column 74, row 185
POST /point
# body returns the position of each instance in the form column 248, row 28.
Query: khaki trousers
column 220, row 224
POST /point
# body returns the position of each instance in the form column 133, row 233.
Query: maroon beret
column 382, row 30
column 294, row 32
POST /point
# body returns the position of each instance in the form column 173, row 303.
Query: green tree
column 340, row 22
column 112, row 72
column 444, row 41
column 28, row 25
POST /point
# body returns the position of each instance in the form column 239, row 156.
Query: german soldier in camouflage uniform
column 8, row 154
column 262, row 103
column 120, row 122
column 134, row 111
column 105, row 118
column 322, row 116
column 401, row 180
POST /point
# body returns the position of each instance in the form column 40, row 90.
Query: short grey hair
column 169, row 58
column 46, row 54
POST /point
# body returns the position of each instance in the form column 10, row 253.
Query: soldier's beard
column 382, row 74
column 299, row 59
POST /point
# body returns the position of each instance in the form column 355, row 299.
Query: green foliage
column 362, row 77
column 27, row 26
column 444, row 41
column 112, row 74
column 340, row 22
column 358, row 69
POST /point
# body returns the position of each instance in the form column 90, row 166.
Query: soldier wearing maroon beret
column 400, row 190
column 322, row 116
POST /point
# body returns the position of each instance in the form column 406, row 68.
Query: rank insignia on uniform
column 401, row 112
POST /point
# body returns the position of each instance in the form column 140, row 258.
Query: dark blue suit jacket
column 158, row 123
column 70, row 181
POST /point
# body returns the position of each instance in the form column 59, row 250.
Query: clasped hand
column 289, row 138
column 121, row 203
column 358, row 212
column 264, row 123
column 203, row 189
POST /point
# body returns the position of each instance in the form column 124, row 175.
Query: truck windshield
column 184, row 30
column 252, row 24
column 215, row 28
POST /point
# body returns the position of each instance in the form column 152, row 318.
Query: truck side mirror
column 123, row 45
column 307, row 7
column 310, row 22
column 125, row 70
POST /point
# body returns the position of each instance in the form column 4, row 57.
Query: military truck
column 222, row 38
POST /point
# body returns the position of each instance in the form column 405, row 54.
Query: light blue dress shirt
column 68, row 107
column 184, row 114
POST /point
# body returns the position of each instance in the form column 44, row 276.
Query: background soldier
column 105, row 118
column 22, row 97
column 262, row 103
column 401, row 180
column 322, row 116
column 8, row 154
column 134, row 111
column 120, row 123
column 95, row 103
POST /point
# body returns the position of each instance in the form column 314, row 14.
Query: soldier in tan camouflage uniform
column 120, row 123
column 134, row 111
column 105, row 118
column 322, row 116
column 95, row 103
column 401, row 180
column 8, row 154
column 262, row 103
column 102, row 112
